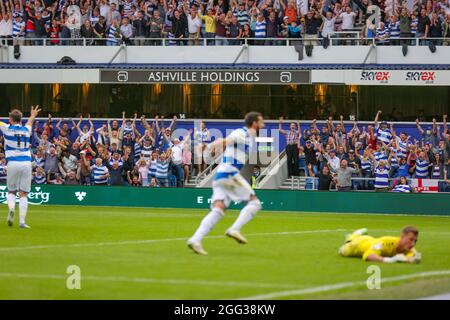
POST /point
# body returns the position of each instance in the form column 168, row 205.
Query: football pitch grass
column 141, row 253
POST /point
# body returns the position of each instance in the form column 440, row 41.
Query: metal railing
column 211, row 166
column 366, row 184
column 337, row 40
column 266, row 170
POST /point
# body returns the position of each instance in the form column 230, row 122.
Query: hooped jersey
column 17, row 142
column 236, row 153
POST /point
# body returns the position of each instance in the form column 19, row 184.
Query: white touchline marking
column 325, row 288
column 118, row 243
column 444, row 296
column 149, row 280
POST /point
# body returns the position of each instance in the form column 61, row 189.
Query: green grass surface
column 132, row 253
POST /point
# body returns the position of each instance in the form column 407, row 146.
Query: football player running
column 228, row 184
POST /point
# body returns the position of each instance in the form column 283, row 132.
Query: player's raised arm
column 33, row 113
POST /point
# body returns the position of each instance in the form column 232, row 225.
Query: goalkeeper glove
column 416, row 258
column 397, row 258
column 402, row 258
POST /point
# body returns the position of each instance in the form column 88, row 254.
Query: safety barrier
column 274, row 200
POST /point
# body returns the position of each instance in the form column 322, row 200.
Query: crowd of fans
column 221, row 22
column 114, row 154
column 153, row 154
column 384, row 157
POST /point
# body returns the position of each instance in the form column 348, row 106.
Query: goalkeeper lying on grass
column 384, row 249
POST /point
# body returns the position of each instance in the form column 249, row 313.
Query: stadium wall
column 274, row 200
column 229, row 54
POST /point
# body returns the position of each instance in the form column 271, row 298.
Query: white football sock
column 11, row 199
column 23, row 206
column 247, row 214
column 208, row 222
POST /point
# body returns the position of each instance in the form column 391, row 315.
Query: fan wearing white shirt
column 87, row 132
column 177, row 157
column 6, row 24
column 348, row 19
column 194, row 27
column 333, row 162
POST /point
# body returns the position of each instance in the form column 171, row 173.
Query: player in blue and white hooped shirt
column 18, row 157
column 100, row 172
column 402, row 186
column 229, row 185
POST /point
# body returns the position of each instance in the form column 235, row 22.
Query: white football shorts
column 233, row 188
column 18, row 176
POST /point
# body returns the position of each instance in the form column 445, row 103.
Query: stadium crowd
column 222, row 22
column 384, row 157
column 153, row 155
column 114, row 154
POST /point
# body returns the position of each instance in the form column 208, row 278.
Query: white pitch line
column 444, row 296
column 149, row 280
column 148, row 241
column 331, row 287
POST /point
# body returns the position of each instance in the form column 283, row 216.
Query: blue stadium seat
column 302, row 165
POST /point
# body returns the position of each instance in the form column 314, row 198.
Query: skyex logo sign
column 36, row 197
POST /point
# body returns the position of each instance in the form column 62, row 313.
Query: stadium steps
column 297, row 183
column 191, row 182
